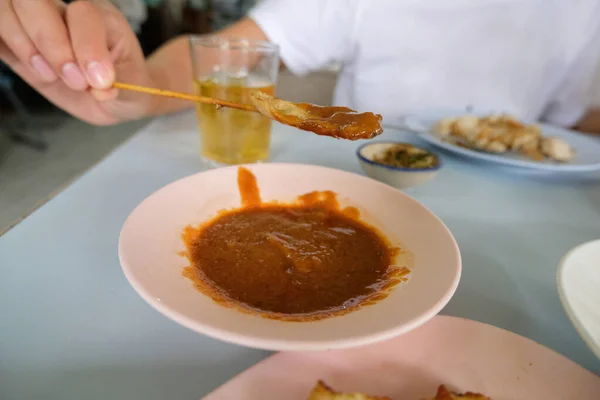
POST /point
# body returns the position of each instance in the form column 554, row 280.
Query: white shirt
column 534, row 59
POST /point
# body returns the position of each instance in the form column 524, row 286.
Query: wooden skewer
column 184, row 96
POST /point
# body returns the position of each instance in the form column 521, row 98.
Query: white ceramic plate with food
column 586, row 158
column 579, row 290
column 150, row 246
column 461, row 354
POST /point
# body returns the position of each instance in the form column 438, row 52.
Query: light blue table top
column 71, row 327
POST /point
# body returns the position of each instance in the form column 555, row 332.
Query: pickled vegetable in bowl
column 405, row 155
column 401, row 165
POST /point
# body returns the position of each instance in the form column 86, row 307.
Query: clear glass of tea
column 231, row 69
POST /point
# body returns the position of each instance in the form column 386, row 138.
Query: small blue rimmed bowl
column 398, row 177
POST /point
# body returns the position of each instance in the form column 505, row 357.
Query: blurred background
column 42, row 149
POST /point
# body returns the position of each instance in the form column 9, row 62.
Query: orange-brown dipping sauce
column 303, row 261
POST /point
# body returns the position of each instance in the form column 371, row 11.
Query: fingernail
column 100, row 75
column 42, row 68
column 73, row 76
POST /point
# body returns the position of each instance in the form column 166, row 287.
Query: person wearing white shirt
column 534, row 59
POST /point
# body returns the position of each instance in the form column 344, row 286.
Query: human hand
column 73, row 53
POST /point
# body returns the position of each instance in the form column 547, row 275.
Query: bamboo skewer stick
column 184, row 96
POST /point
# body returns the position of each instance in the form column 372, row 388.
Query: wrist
column 169, row 68
column 155, row 79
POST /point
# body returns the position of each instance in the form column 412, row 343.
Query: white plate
column 150, row 242
column 587, row 158
column 462, row 354
column 579, row 290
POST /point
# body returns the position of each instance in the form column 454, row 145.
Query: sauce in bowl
column 307, row 260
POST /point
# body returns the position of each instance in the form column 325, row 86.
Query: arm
column 170, row 66
column 590, row 123
column 570, row 105
column 310, row 33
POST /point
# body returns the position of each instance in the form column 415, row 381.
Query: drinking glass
column 231, row 69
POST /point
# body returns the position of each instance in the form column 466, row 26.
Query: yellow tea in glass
column 230, row 70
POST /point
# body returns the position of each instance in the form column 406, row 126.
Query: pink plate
column 150, row 246
column 463, row 354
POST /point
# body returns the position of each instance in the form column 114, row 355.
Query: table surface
column 71, row 327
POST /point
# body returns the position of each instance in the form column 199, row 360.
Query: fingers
column 18, row 42
column 83, row 45
column 88, row 36
column 7, row 56
column 43, row 22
